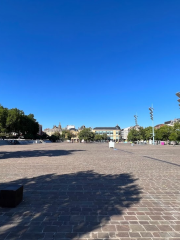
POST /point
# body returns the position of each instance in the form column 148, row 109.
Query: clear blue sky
column 91, row 62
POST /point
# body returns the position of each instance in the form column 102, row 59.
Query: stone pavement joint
column 88, row 191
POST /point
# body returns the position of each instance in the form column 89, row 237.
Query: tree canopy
column 99, row 137
column 14, row 120
column 163, row 133
column 86, row 134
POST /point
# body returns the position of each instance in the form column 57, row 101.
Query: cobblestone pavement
column 88, row 191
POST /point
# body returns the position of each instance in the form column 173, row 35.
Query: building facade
column 70, row 127
column 51, row 131
column 124, row 133
column 158, row 126
column 114, row 133
column 172, row 122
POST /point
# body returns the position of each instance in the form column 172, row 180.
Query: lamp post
column 135, row 116
column 151, row 109
column 178, row 95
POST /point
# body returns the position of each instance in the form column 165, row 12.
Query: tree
column 105, row 136
column 133, row 135
column 66, row 134
column 176, row 126
column 142, row 133
column 148, row 133
column 98, row 137
column 3, row 118
column 57, row 134
column 53, row 138
column 173, row 136
column 86, row 134
column 14, row 120
column 164, row 132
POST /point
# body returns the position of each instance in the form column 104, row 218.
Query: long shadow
column 126, row 151
column 162, row 161
column 68, row 206
column 36, row 153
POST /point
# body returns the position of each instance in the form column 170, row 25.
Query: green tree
column 66, row 134
column 14, row 120
column 86, row 134
column 105, row 136
column 53, row 138
column 29, row 125
column 148, row 133
column 57, row 134
column 176, row 126
column 173, row 136
column 3, row 119
column 142, row 133
column 98, row 137
column 164, row 132
column 133, row 135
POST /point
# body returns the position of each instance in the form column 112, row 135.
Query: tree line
column 66, row 134
column 15, row 120
column 86, row 134
column 164, row 133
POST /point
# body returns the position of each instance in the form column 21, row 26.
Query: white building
column 70, row 126
column 124, row 133
column 172, row 122
column 51, row 131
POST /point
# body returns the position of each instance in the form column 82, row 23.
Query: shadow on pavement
column 36, row 153
column 69, row 206
column 156, row 159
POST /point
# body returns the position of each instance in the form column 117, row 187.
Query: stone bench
column 11, row 195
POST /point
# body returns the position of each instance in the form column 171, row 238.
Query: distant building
column 158, row 126
column 82, row 127
column 75, row 132
column 70, row 127
column 125, row 132
column 114, row 133
column 51, row 131
column 172, row 122
column 136, row 127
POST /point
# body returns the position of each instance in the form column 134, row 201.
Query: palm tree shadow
column 69, row 205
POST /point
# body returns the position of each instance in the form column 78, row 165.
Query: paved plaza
column 88, row 191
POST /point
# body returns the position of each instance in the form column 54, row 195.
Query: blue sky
column 93, row 62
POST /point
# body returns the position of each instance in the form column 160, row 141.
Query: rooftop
column 107, row 128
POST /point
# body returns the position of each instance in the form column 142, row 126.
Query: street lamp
column 178, row 95
column 135, row 116
column 151, row 109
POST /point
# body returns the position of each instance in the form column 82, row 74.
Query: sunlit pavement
column 88, row 191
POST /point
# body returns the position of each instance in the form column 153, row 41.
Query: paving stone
column 151, row 228
column 123, row 228
column 164, row 228
column 50, row 229
column 122, row 234
column 137, row 228
column 88, row 191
